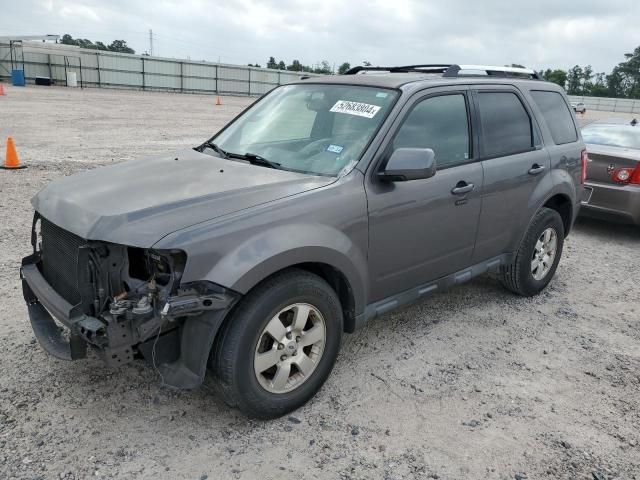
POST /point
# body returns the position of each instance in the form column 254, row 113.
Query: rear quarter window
column 557, row 116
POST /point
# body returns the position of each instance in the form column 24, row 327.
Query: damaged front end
column 124, row 302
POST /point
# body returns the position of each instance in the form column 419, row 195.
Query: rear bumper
column 612, row 202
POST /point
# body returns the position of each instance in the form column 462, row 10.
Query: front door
column 421, row 230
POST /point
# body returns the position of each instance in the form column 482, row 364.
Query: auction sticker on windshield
column 355, row 108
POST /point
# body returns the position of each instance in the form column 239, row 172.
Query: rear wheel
column 537, row 257
column 279, row 345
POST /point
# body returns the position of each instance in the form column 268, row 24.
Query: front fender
column 284, row 246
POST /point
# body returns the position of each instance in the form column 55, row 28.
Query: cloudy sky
column 536, row 33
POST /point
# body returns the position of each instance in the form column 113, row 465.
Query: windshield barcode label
column 355, row 108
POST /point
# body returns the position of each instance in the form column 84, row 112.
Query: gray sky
column 542, row 33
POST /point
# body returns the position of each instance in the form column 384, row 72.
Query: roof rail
column 453, row 70
column 426, row 68
column 489, row 70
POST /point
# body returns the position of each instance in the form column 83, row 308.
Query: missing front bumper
column 182, row 343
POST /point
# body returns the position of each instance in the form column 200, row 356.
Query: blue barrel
column 17, row 78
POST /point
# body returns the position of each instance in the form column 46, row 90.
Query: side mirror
column 409, row 164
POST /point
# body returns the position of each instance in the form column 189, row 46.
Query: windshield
column 625, row 136
column 317, row 129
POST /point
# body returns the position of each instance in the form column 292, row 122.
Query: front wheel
column 537, row 257
column 280, row 344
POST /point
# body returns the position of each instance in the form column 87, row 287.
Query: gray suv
column 326, row 203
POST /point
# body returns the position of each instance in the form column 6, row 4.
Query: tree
column 282, row 65
column 627, row 75
column 599, row 87
column 68, row 40
column 342, row 69
column 574, row 80
column 324, row 68
column 366, row 64
column 295, row 66
column 120, row 46
column 587, row 75
column 556, row 76
column 116, row 45
column 272, row 63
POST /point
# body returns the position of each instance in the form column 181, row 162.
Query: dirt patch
column 472, row 384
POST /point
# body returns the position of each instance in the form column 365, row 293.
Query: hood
column 138, row 202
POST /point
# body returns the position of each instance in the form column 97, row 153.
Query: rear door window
column 506, row 125
column 557, row 115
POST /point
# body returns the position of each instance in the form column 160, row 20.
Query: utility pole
column 151, row 42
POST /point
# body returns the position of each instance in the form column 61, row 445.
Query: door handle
column 536, row 169
column 463, row 187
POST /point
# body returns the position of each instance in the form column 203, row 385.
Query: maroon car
column 612, row 188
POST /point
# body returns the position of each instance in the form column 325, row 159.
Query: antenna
column 151, row 42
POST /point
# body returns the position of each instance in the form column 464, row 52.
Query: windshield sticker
column 355, row 108
column 381, row 95
column 335, row 148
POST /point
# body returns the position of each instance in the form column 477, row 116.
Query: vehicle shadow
column 607, row 230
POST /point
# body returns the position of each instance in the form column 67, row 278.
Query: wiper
column 256, row 160
column 215, row 148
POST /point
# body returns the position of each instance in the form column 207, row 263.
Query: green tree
column 295, row 66
column 120, row 46
column 574, row 80
column 68, row 40
column 342, row 69
column 272, row 63
column 616, row 83
column 324, row 68
column 556, row 76
column 587, row 75
column 282, row 65
column 599, row 87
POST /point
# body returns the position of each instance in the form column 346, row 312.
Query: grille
column 60, row 260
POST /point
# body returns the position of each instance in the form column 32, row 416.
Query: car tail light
column 626, row 175
column 584, row 158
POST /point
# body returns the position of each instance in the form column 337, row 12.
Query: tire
column 519, row 277
column 234, row 360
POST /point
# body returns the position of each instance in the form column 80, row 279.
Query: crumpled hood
column 138, row 202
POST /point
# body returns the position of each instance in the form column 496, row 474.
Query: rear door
column 516, row 168
column 561, row 135
column 421, row 230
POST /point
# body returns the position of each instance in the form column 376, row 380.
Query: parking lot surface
column 472, row 384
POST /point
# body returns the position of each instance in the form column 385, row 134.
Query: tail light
column 627, row 175
column 584, row 158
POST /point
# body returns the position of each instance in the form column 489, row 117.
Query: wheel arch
column 335, row 277
column 319, row 249
column 562, row 204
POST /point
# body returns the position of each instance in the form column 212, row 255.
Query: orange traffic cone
column 2, row 92
column 11, row 161
column 218, row 101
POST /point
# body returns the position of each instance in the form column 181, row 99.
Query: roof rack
column 426, row 68
column 453, row 70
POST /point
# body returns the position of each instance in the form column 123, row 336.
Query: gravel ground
column 472, row 384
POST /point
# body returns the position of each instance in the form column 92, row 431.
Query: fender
column 562, row 186
column 287, row 245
